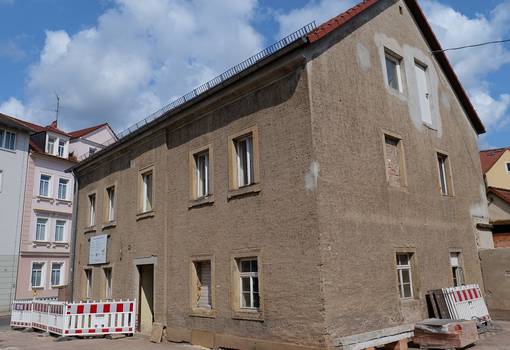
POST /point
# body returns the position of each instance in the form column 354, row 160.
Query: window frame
column 239, row 312
column 67, row 182
column 64, row 226
column 403, row 168
column 37, row 225
column 234, row 183
column 110, row 207
column 409, row 267
column 49, row 186
column 444, row 169
column 424, row 67
column 195, row 195
column 88, row 283
column 197, row 310
column 61, row 274
column 12, row 138
column 43, row 275
column 390, row 55
column 460, row 266
column 507, row 168
column 108, row 278
column 92, row 209
column 142, row 190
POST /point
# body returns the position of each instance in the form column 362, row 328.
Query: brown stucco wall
column 496, row 276
column 364, row 221
column 322, row 219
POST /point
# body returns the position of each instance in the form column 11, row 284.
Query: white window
column 44, row 185
column 423, row 93
column 61, row 148
column 147, row 191
column 110, row 193
column 202, row 174
column 244, row 156
column 62, row 188
column 88, row 283
column 10, row 140
column 443, row 174
column 40, row 229
column 457, row 272
column 108, row 284
column 60, row 226
column 56, row 274
column 203, row 284
column 50, row 147
column 405, row 278
column 1, row 179
column 36, row 280
column 249, row 283
column 507, row 170
column 393, row 71
column 92, row 210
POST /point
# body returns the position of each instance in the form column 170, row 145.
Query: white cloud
column 138, row 57
column 473, row 65
column 318, row 11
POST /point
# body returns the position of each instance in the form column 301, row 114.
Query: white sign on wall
column 97, row 253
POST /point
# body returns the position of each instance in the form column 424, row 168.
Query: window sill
column 89, row 229
column 110, row 224
column 200, row 202
column 244, row 191
column 60, row 244
column 64, row 201
column 45, row 199
column 37, row 287
column 145, row 215
column 200, row 312
column 7, row 150
column 58, row 286
column 249, row 315
column 41, row 244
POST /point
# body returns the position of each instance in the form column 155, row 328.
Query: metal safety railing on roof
column 268, row 51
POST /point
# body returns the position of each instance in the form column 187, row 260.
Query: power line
column 474, row 45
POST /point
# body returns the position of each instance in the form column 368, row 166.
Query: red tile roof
column 489, row 157
column 430, row 37
column 79, row 133
column 502, row 193
column 338, row 21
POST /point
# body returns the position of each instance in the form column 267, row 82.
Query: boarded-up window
column 203, row 284
column 394, row 166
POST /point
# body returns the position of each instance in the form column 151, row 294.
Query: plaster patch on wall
column 363, row 57
column 409, row 56
column 480, row 210
column 312, row 176
column 445, row 101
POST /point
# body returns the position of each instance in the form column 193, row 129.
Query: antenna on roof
column 57, row 109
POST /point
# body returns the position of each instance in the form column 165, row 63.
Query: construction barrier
column 76, row 319
column 466, row 303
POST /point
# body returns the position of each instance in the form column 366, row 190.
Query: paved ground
column 499, row 339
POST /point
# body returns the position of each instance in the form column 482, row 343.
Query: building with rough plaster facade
column 313, row 196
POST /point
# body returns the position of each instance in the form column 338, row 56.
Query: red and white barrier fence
column 73, row 319
column 466, row 303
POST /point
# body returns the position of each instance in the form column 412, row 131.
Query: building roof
column 311, row 37
column 489, row 157
column 13, row 122
column 502, row 193
column 80, row 133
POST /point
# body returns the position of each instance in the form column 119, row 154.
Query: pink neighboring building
column 47, row 216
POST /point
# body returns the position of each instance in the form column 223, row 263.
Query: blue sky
column 120, row 60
